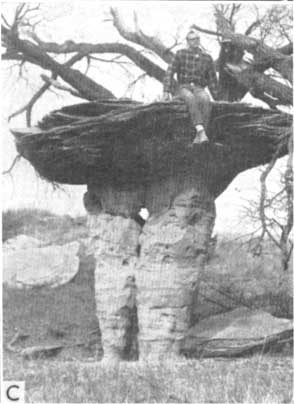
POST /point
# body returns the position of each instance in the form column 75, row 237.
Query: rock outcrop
column 134, row 156
column 21, row 242
column 115, row 247
column 146, row 277
column 27, row 264
column 236, row 333
column 172, row 253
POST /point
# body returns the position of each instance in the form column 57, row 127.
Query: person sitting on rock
column 195, row 70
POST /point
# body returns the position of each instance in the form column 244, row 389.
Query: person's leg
column 193, row 104
column 203, row 104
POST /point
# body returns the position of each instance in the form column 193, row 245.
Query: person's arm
column 169, row 75
column 212, row 79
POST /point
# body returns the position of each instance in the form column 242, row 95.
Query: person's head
column 193, row 38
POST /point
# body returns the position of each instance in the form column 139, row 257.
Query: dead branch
column 223, row 23
column 22, row 18
column 264, row 55
column 51, row 81
column 151, row 68
column 134, row 82
column 263, row 86
column 235, row 8
column 137, row 36
column 252, row 27
column 15, row 161
column 32, row 53
column 206, row 31
column 283, row 243
column 29, row 106
column 15, row 339
column 112, row 60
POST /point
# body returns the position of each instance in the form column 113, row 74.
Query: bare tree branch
column 286, row 49
column 270, row 225
column 263, row 194
column 252, row 27
column 265, row 55
column 28, row 107
column 285, row 242
column 261, row 85
column 137, row 36
column 50, row 81
column 206, row 31
column 134, row 82
column 15, row 161
column 32, row 53
column 151, row 68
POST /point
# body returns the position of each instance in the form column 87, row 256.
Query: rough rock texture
column 237, row 278
column 237, row 332
column 173, row 251
column 152, row 272
column 21, row 242
column 27, row 265
column 119, row 143
column 131, row 156
column 115, row 246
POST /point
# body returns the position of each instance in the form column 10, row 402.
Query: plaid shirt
column 192, row 66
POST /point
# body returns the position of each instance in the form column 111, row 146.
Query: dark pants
column 198, row 102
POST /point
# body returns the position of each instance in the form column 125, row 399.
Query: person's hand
column 215, row 96
column 166, row 96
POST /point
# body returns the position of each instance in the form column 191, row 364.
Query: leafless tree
column 258, row 60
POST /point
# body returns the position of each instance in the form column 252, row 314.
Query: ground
column 66, row 315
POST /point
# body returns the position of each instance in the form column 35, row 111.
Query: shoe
column 200, row 137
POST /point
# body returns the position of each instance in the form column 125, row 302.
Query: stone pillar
column 173, row 251
column 115, row 246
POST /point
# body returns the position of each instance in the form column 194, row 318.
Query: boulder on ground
column 236, row 278
column 26, row 264
column 20, row 242
column 237, row 333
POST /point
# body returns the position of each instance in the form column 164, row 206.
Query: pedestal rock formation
column 132, row 156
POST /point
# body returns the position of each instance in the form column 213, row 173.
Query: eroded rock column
column 173, row 249
column 115, row 246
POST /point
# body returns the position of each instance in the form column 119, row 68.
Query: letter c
column 12, row 398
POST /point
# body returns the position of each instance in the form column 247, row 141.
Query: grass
column 43, row 225
column 64, row 314
column 67, row 315
column 256, row 380
column 262, row 281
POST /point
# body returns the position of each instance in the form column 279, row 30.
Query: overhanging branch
column 85, row 48
column 29, row 106
column 278, row 59
column 261, row 84
column 139, row 37
column 32, row 53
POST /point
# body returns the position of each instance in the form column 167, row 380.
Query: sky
column 88, row 21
